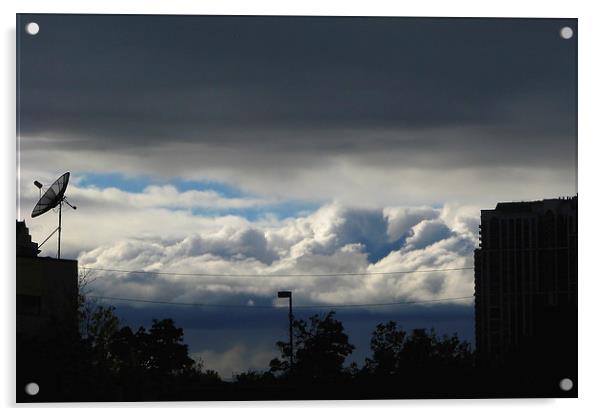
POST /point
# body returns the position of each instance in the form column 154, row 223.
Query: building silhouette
column 526, row 285
column 47, row 290
column 47, row 319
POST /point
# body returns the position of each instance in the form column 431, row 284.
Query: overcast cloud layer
column 263, row 146
column 364, row 110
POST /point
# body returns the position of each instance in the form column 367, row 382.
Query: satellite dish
column 54, row 196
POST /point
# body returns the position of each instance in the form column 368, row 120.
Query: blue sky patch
column 280, row 210
column 137, row 184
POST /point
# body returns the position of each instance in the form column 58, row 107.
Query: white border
column 590, row 71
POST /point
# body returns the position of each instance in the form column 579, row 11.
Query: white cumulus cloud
column 333, row 239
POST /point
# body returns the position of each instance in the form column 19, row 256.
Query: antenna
column 54, row 196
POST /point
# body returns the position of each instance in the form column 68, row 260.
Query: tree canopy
column 320, row 349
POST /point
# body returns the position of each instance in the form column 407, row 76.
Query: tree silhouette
column 320, row 349
column 162, row 348
column 387, row 348
column 253, row 377
column 101, row 325
column 393, row 352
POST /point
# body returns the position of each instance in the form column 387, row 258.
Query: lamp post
column 288, row 294
column 39, row 186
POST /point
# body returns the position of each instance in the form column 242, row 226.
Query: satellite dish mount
column 53, row 197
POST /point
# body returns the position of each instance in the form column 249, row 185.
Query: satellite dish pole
column 58, row 251
column 53, row 197
column 63, row 200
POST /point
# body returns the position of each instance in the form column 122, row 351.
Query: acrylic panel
column 295, row 207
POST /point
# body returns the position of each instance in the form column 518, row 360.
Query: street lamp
column 288, row 294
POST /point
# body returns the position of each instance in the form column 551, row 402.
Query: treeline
column 104, row 360
column 415, row 364
column 321, row 347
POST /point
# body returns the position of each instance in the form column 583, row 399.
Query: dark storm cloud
column 128, row 83
column 246, row 318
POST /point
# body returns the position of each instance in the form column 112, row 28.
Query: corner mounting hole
column 32, row 28
column 566, row 384
column 32, row 389
column 566, row 33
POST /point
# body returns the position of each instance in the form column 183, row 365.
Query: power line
column 356, row 305
column 273, row 275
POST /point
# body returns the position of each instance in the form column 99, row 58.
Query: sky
column 242, row 152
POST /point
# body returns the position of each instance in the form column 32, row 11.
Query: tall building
column 526, row 283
